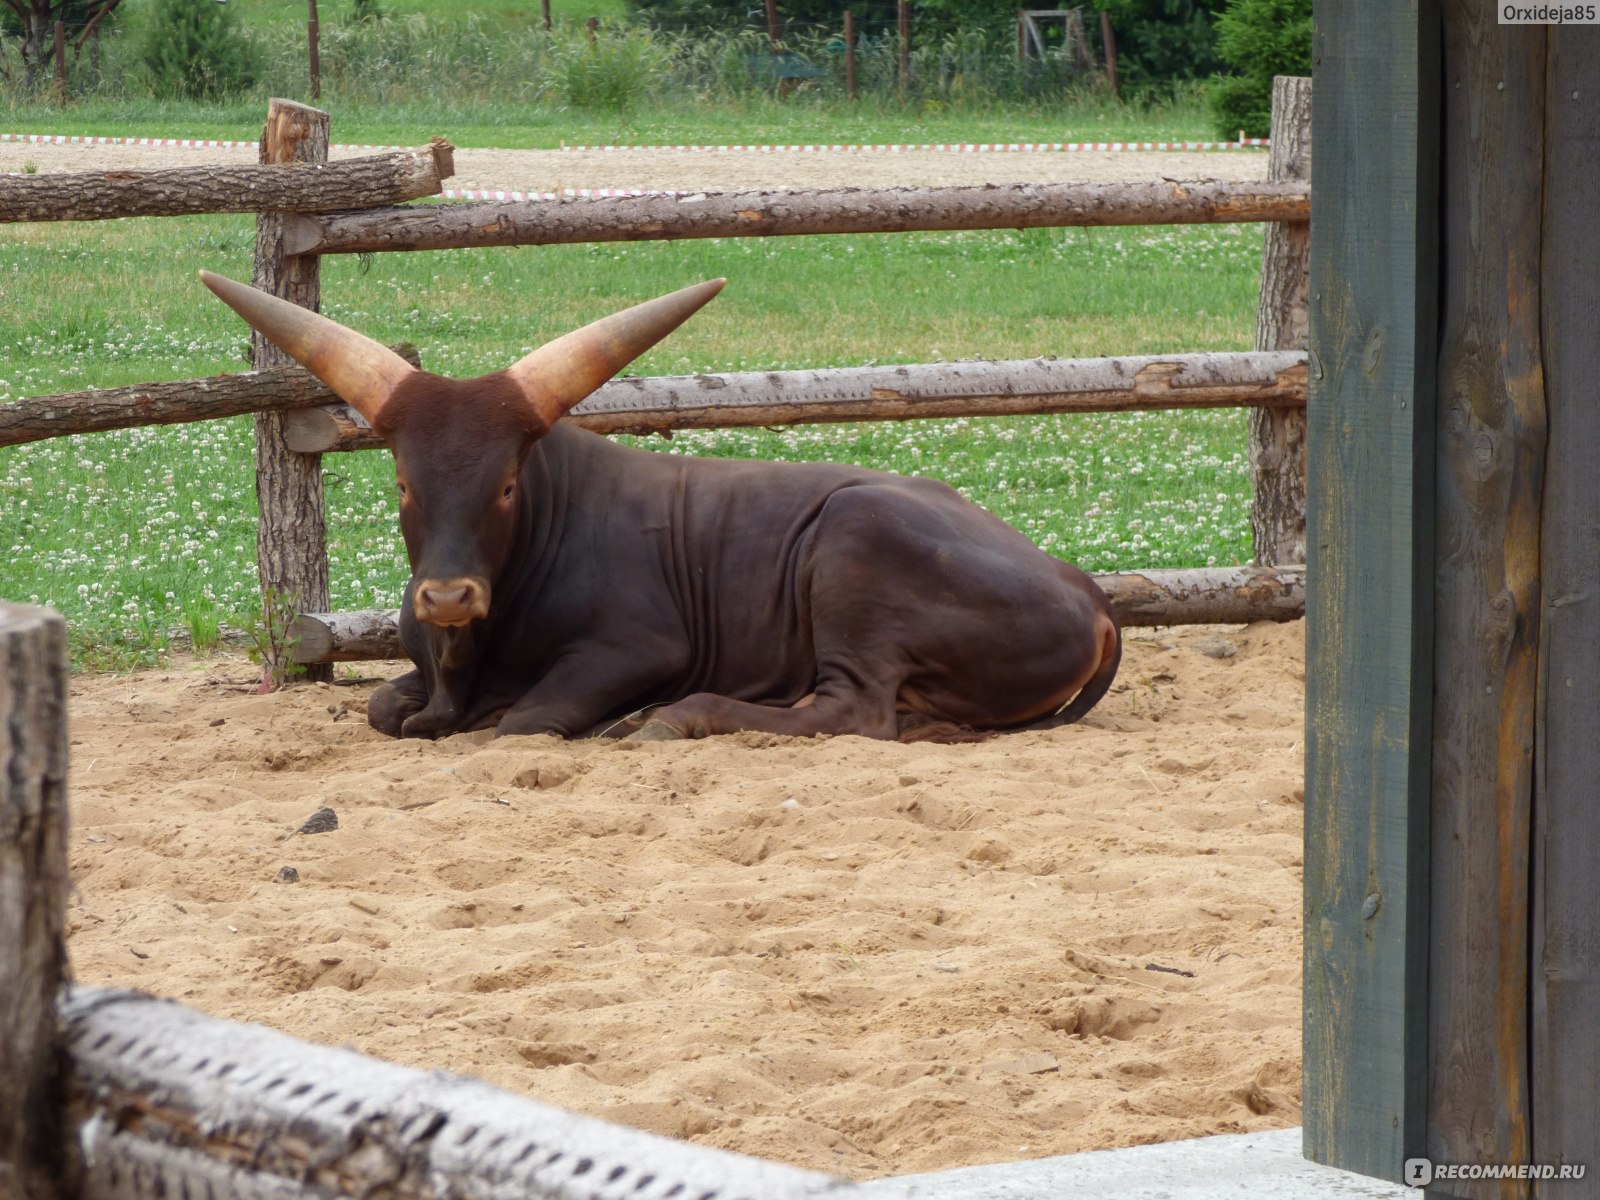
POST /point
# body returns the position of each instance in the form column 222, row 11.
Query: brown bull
column 561, row 583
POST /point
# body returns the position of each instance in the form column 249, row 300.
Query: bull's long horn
column 362, row 372
column 560, row 373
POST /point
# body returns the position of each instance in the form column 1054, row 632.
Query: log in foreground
column 168, row 1102
column 179, row 191
column 768, row 213
column 277, row 389
column 965, row 389
column 1203, row 596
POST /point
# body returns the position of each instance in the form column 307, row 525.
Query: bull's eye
column 402, row 488
column 506, row 495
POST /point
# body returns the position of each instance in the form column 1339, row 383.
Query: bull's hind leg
column 869, row 712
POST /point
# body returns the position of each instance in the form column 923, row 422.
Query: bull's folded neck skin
column 366, row 374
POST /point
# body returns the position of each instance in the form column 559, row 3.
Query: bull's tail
column 1099, row 683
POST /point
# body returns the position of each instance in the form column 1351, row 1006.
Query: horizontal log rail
column 660, row 404
column 1201, row 596
column 656, row 404
column 165, row 1101
column 223, row 188
column 666, row 217
column 277, row 389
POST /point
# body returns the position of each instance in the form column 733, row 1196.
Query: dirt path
column 711, row 170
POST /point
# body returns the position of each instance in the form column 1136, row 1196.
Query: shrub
column 193, row 49
column 611, row 70
column 1258, row 39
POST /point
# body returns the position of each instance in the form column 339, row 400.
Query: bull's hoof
column 655, row 731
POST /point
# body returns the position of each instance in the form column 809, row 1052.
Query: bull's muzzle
column 450, row 602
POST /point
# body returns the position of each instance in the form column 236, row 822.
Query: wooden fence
column 309, row 207
column 114, row 1094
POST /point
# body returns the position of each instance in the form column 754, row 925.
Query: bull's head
column 459, row 445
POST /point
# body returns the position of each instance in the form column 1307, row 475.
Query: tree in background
column 193, row 48
column 1160, row 42
column 1258, row 39
column 34, row 22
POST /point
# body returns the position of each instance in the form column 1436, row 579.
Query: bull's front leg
column 433, row 700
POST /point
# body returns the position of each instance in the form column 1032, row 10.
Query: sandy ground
column 719, row 170
column 856, row 957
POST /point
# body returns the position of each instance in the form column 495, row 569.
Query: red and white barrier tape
column 61, row 139
column 950, row 147
column 564, row 194
column 66, row 139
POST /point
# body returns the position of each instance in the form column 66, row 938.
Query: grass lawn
column 141, row 535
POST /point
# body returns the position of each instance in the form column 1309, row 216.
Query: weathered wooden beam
column 1206, row 595
column 770, row 213
column 766, row 398
column 1278, row 436
column 168, row 1102
column 1566, row 920
column 1488, row 608
column 1202, row 596
column 1369, row 634
column 34, row 1152
column 223, row 188
column 276, row 389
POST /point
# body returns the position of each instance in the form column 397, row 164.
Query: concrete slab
column 1214, row 1168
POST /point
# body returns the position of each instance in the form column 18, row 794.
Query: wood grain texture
column 1199, row 596
column 1490, row 475
column 227, row 188
column 276, row 389
column 1278, row 437
column 1369, row 593
column 668, row 217
column 292, row 537
column 1566, row 926
column 34, row 1163
column 658, row 404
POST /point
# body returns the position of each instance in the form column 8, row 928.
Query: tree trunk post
column 1110, row 39
column 292, row 543
column 903, row 25
column 34, row 1154
column 61, row 62
column 850, row 53
column 1278, row 437
column 313, row 53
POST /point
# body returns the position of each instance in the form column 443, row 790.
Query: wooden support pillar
column 35, row 1162
column 1490, row 446
column 1369, row 585
column 1566, row 818
column 1278, row 439
column 292, row 543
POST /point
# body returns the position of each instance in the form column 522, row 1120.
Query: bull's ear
column 560, row 373
column 362, row 372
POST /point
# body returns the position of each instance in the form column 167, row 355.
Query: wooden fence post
column 1278, row 438
column 292, row 544
column 34, row 1153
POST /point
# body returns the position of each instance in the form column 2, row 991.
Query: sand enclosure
column 856, row 957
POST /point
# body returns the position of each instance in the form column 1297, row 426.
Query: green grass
column 142, row 534
column 488, row 123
